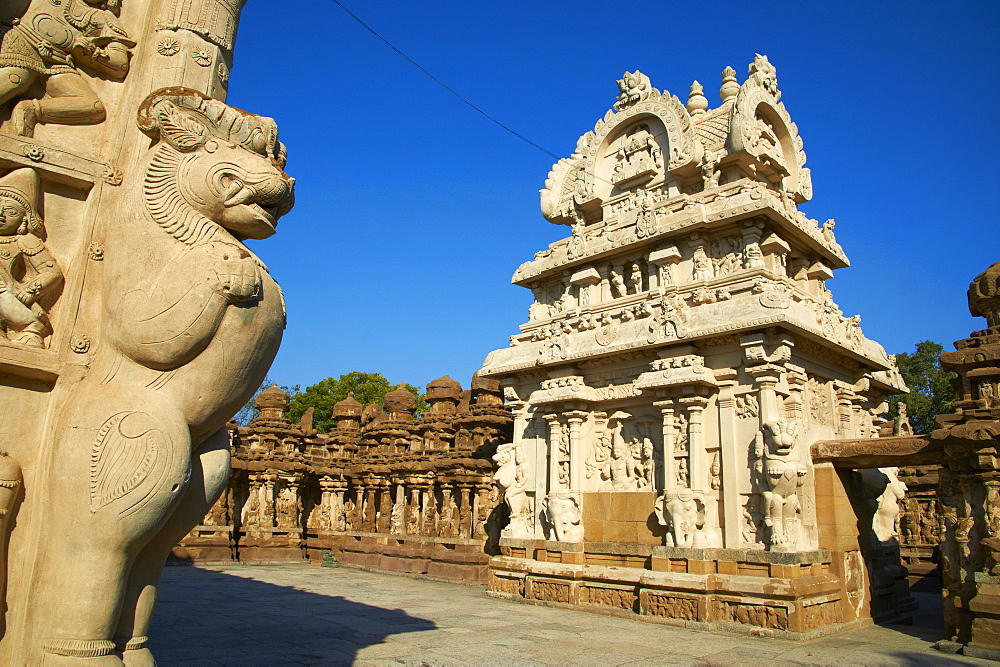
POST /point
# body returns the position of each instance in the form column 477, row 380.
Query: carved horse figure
column 191, row 321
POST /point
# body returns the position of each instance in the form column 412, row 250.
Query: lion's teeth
column 241, row 196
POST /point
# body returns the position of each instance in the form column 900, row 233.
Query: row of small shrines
column 382, row 489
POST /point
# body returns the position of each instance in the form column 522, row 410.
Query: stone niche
column 134, row 321
column 681, row 355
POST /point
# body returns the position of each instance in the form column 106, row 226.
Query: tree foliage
column 931, row 392
column 368, row 388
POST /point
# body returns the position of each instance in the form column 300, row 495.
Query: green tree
column 368, row 388
column 931, row 392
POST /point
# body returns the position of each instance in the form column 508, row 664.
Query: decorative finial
column 633, row 88
column 697, row 102
column 762, row 71
column 730, row 87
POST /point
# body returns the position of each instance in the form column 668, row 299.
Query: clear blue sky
column 413, row 211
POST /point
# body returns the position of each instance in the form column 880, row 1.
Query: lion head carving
column 232, row 165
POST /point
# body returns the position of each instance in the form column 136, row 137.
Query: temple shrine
column 681, row 357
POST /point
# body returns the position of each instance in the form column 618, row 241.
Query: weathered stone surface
column 135, row 320
column 393, row 493
column 878, row 452
column 681, row 358
column 969, row 487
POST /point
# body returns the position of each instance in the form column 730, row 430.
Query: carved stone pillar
column 729, row 460
column 370, row 509
column 555, row 436
column 384, row 507
column 357, row 514
column 605, row 284
column 696, row 446
column 465, row 514
column 481, row 511
column 845, row 410
column 669, row 463
column 575, row 418
column 267, row 502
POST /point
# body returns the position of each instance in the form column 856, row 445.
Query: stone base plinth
column 791, row 595
column 205, row 544
column 442, row 558
column 924, row 573
column 273, row 546
column 319, row 542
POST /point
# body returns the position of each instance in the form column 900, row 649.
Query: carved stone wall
column 134, row 321
column 969, row 489
column 920, row 526
column 381, row 490
column 681, row 357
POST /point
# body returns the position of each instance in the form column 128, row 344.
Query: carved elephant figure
column 564, row 515
column 679, row 512
column 191, row 321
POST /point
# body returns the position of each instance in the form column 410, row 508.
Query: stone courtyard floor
column 307, row 615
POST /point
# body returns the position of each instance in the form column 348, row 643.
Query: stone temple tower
column 681, row 355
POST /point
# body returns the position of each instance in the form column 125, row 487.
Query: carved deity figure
column 635, row 278
column 768, row 146
column 709, row 172
column 702, row 265
column 190, row 321
column 827, row 231
column 777, row 455
column 54, row 42
column 511, row 478
column 396, row 519
column 618, row 472
column 617, row 283
column 29, row 275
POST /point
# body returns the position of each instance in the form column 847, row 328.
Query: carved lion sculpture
column 191, row 321
column 511, row 479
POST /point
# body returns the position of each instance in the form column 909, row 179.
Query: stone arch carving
column 577, row 185
column 756, row 103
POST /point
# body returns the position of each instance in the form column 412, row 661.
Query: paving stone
column 306, row 615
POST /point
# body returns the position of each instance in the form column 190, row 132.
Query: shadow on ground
column 205, row 617
column 928, row 618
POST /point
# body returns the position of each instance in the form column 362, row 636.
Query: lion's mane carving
column 190, row 323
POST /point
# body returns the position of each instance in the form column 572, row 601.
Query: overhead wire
column 440, row 82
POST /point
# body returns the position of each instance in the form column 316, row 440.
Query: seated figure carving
column 29, row 275
column 55, row 42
